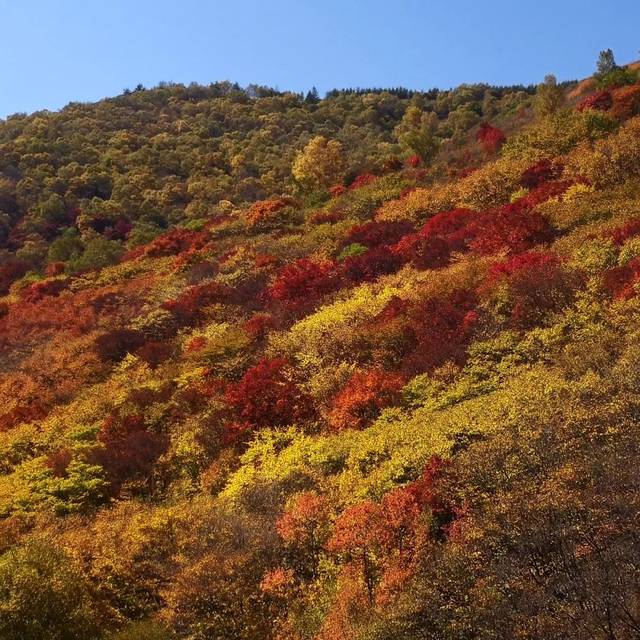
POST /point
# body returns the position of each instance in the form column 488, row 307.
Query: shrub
column 490, row 138
column 189, row 307
column 304, row 281
column 374, row 234
column 536, row 284
column 268, row 395
column 600, row 101
column 363, row 398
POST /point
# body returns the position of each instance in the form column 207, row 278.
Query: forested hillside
column 276, row 367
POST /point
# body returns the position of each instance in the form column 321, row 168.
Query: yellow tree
column 320, row 164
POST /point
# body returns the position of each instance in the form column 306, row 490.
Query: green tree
column 606, row 63
column 417, row 133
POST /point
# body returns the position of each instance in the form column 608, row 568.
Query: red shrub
column 115, row 344
column 268, row 395
column 54, row 269
column 599, row 101
column 414, row 161
column 300, row 523
column 374, row 234
column 58, row 462
column 540, row 172
column 128, row 450
column 188, row 308
column 364, row 397
column 514, row 227
column 620, row 234
column 368, row 266
column 490, row 138
column 362, row 180
column 154, row 353
column 442, row 328
column 265, row 212
column 620, row 282
column 39, row 290
column 626, row 102
column 325, row 217
column 304, row 281
column 176, row 241
column 259, row 325
column 337, row 191
column 537, row 283
column 443, row 234
column 11, row 270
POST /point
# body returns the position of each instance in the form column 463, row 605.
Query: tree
column 312, row 96
column 417, row 133
column 606, row 63
column 549, row 97
column 320, row 164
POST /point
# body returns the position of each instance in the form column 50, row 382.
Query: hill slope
column 363, row 367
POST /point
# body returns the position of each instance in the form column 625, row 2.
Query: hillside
column 362, row 367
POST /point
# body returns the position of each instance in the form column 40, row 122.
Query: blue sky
column 56, row 51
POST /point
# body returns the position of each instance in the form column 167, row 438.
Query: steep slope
column 392, row 395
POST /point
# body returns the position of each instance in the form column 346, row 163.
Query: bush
column 43, row 596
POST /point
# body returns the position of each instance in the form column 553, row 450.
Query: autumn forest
column 276, row 366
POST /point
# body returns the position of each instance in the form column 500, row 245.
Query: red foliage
column 304, row 281
column 263, row 211
column 120, row 230
column 304, row 524
column 362, row 180
column 368, row 266
column 537, row 284
column 441, row 328
column 374, row 234
column 154, row 352
column 196, row 344
column 364, row 397
column 325, row 217
column 540, row 172
column 188, row 308
column 491, row 138
column 39, row 290
column 11, row 270
column 176, row 241
column 443, row 234
column 128, row 450
column 268, row 395
column 58, row 462
column 628, row 230
column 337, row 191
column 514, row 227
column 258, row 325
column 620, row 282
column 414, row 161
column 626, row 102
column 116, row 343
column 599, row 101
column 54, row 269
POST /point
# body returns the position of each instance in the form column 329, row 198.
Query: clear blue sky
column 56, row 51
